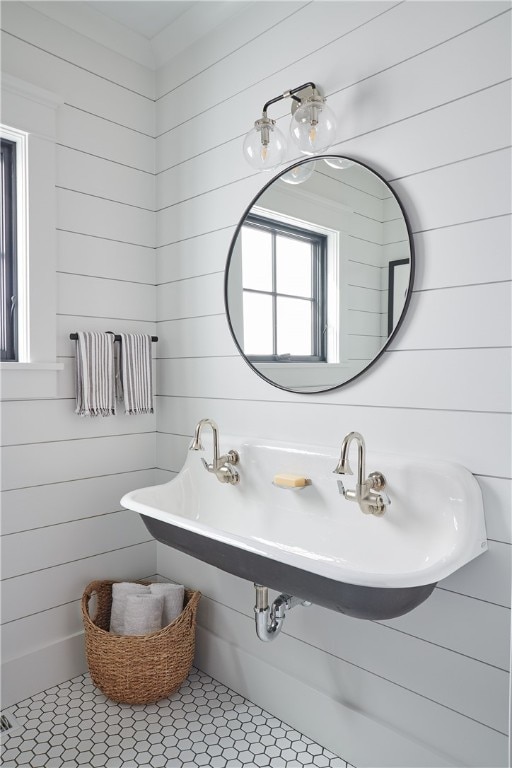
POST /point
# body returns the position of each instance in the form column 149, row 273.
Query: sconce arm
column 288, row 94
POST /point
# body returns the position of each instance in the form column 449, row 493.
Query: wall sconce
column 312, row 128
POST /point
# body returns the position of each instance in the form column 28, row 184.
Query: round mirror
column 319, row 274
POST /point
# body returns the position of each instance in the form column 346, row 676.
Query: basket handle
column 93, row 587
column 193, row 603
column 89, row 591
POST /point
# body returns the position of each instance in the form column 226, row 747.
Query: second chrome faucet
column 368, row 492
column 221, row 466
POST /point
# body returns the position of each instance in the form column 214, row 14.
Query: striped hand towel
column 95, row 394
column 136, row 373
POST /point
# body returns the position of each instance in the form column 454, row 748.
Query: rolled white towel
column 173, row 595
column 143, row 614
column 120, row 592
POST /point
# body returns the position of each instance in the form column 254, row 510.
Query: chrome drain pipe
column 269, row 619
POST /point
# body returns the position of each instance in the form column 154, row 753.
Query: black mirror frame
column 409, row 289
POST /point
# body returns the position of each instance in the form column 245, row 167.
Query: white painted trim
column 201, row 20
column 30, row 91
column 94, row 25
column 334, row 294
column 26, row 381
column 49, row 665
column 343, row 291
column 198, row 22
column 298, row 366
column 296, row 221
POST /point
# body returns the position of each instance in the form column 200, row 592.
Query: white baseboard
column 349, row 734
column 47, row 666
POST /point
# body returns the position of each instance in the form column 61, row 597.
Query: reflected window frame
column 318, row 298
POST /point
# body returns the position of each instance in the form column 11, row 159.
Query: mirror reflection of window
column 310, row 323
column 284, row 301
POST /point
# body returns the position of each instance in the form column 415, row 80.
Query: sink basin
column 313, row 543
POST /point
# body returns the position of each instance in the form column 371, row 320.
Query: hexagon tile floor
column 203, row 724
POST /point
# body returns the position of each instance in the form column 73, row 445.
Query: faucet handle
column 375, row 504
column 231, row 457
column 208, row 467
column 377, row 481
column 341, row 488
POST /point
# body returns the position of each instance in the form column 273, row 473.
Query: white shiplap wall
column 422, row 93
column 63, row 476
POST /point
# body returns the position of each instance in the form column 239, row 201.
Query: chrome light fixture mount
column 313, row 128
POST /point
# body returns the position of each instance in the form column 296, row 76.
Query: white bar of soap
column 290, row 481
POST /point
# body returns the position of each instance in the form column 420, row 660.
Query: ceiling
column 147, row 17
column 150, row 17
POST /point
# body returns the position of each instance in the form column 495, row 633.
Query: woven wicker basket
column 137, row 669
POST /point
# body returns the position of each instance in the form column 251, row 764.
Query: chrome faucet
column 368, row 491
column 221, row 466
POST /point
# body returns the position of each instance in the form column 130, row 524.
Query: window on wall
column 28, row 240
column 284, row 295
column 8, row 245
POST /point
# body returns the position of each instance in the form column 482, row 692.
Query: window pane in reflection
column 256, row 259
column 293, row 266
column 294, row 334
column 257, row 324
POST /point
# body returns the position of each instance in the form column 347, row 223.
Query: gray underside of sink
column 351, row 599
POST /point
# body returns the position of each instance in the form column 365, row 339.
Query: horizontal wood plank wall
column 422, row 93
column 63, row 477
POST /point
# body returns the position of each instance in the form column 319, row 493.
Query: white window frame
column 29, row 113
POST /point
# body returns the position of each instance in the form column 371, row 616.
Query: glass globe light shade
column 340, row 163
column 313, row 126
column 264, row 145
column 299, row 174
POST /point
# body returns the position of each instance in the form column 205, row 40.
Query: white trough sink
column 314, row 543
